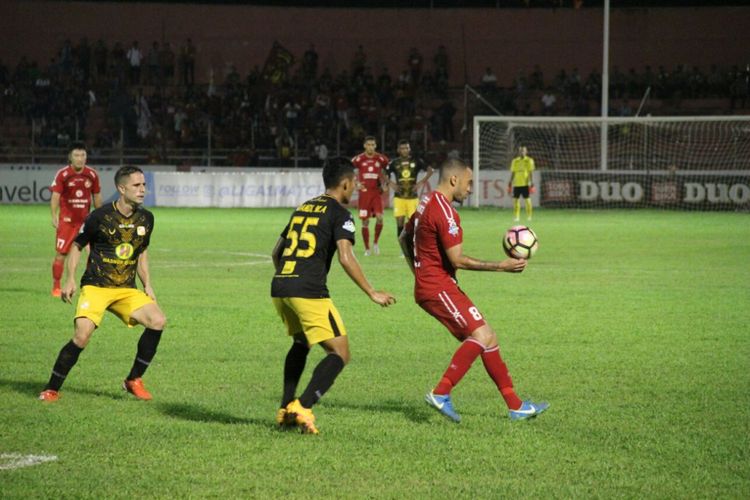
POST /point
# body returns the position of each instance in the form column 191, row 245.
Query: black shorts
column 519, row 191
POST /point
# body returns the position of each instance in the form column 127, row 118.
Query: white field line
column 9, row 461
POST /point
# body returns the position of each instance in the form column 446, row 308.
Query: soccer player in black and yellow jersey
column 302, row 258
column 405, row 170
column 521, row 182
column 118, row 234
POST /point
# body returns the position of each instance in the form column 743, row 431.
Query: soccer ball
column 520, row 242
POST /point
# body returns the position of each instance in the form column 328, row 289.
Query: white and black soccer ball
column 520, row 242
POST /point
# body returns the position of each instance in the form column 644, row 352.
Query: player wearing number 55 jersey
column 433, row 245
column 302, row 257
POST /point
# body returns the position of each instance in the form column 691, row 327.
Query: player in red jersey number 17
column 70, row 204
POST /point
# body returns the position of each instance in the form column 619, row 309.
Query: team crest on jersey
column 87, row 184
column 349, row 226
column 452, row 228
column 140, row 231
column 124, row 251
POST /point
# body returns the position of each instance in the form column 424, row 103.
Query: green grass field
column 633, row 324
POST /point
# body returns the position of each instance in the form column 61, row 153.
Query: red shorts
column 370, row 204
column 456, row 311
column 66, row 233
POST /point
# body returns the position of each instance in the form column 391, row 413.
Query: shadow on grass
column 33, row 388
column 195, row 413
column 412, row 410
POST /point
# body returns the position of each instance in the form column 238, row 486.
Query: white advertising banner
column 29, row 184
column 204, row 187
column 492, row 189
column 252, row 189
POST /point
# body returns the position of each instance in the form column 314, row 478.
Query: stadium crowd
column 150, row 98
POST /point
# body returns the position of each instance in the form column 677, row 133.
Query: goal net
column 691, row 163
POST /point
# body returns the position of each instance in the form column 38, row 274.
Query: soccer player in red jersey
column 370, row 166
column 432, row 243
column 70, row 204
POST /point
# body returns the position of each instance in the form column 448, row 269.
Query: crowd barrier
column 244, row 188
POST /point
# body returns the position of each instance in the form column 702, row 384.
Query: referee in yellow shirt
column 521, row 182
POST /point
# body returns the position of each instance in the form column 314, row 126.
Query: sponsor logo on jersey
column 79, row 193
column 349, row 226
column 140, row 231
column 124, row 251
column 452, row 228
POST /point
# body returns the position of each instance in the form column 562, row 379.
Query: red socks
column 366, row 237
column 378, row 229
column 460, row 363
column 498, row 371
column 57, row 270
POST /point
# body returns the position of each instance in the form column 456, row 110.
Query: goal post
column 690, row 163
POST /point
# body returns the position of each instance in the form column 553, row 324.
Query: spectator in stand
column 536, row 79
column 310, row 62
column 83, row 58
column 100, row 59
column 119, row 63
column 321, row 153
column 415, row 66
column 167, row 63
column 187, row 60
column 548, row 102
column 359, row 61
column 489, row 80
column 134, row 57
column 440, row 60
column 153, row 76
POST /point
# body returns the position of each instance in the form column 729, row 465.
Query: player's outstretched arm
column 462, row 261
column 69, row 289
column 349, row 262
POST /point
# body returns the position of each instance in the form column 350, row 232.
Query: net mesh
column 675, row 153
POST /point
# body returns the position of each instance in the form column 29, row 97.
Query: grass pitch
column 633, row 324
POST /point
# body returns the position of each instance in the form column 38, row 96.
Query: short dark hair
column 370, row 138
column 451, row 165
column 125, row 171
column 402, row 142
column 335, row 171
column 76, row 145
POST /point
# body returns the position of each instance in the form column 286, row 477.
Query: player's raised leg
column 152, row 317
column 498, row 372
